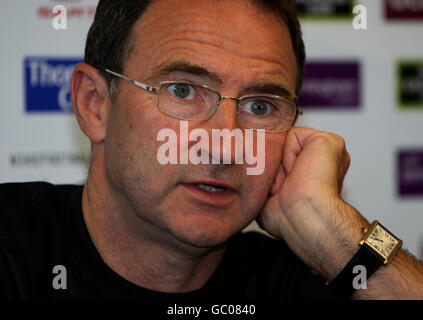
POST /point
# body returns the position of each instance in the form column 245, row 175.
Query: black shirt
column 42, row 226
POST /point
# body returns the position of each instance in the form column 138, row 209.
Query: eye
column 258, row 107
column 182, row 91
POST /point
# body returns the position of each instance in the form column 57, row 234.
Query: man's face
column 242, row 47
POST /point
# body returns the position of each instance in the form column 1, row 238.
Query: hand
column 305, row 208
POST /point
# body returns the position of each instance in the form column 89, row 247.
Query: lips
column 212, row 184
column 210, row 192
column 210, row 188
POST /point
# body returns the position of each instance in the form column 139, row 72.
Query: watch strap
column 365, row 256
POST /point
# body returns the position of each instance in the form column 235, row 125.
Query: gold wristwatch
column 382, row 241
column 378, row 247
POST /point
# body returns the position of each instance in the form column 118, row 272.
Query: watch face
column 382, row 241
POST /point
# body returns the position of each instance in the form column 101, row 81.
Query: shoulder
column 24, row 207
column 32, row 195
column 32, row 233
column 19, row 193
column 24, row 193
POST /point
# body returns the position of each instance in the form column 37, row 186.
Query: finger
column 343, row 169
column 295, row 141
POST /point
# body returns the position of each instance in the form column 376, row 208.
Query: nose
column 225, row 117
column 226, row 139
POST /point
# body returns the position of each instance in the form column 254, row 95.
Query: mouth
column 213, row 193
column 210, row 188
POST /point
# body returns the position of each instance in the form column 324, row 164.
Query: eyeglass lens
column 192, row 102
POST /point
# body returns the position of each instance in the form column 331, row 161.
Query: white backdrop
column 49, row 145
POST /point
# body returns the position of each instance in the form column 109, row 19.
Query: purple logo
column 331, row 85
column 404, row 9
column 410, row 172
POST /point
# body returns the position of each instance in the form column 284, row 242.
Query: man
column 147, row 230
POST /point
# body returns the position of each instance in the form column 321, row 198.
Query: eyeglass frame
column 298, row 110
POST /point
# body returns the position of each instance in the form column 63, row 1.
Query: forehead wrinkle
column 258, row 19
column 277, row 62
column 197, row 38
column 225, row 74
column 235, row 46
column 260, row 77
column 198, row 29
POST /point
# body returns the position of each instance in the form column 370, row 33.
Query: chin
column 205, row 234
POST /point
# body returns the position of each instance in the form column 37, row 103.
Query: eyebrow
column 271, row 88
column 187, row 67
column 194, row 69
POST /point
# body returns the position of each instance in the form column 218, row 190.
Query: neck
column 137, row 250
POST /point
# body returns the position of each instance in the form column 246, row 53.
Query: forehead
column 228, row 37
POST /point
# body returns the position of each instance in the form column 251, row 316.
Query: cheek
column 130, row 146
column 140, row 123
column 274, row 149
column 258, row 186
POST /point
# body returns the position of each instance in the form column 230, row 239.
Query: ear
column 91, row 101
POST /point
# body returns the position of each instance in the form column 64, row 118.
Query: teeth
column 210, row 188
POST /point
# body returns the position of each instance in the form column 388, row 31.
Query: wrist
column 346, row 232
column 378, row 247
column 336, row 231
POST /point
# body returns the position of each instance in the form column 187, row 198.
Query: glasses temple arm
column 138, row 84
column 299, row 110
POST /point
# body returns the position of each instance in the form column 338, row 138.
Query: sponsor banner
column 403, row 9
column 331, row 85
column 74, row 9
column 410, row 172
column 410, row 84
column 47, row 83
column 50, row 159
column 328, row 9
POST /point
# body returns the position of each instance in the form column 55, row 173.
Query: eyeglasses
column 185, row 100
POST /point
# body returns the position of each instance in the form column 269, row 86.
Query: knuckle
column 335, row 139
column 340, row 140
column 340, row 143
column 347, row 160
column 323, row 137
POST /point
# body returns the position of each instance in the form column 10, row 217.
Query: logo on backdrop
column 74, row 9
column 404, row 9
column 410, row 172
column 328, row 9
column 47, row 84
column 48, row 159
column 331, row 85
column 410, row 84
